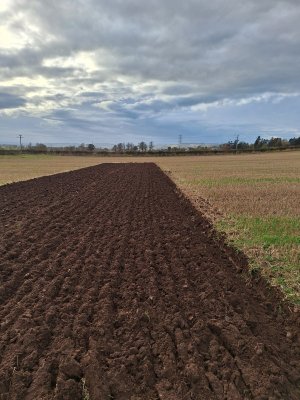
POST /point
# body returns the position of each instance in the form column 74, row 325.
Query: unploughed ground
column 113, row 286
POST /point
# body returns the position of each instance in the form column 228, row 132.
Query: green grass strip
column 273, row 247
column 210, row 182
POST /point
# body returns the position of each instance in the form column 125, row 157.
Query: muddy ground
column 114, row 287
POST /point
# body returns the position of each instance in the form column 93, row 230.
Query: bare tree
column 121, row 147
column 143, row 146
column 91, row 147
column 129, row 146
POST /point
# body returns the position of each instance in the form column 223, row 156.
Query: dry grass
column 253, row 198
column 254, row 184
column 23, row 167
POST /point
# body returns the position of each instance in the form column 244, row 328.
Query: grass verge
column 272, row 245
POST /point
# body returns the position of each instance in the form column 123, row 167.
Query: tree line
column 260, row 144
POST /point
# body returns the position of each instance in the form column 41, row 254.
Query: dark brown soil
column 114, row 287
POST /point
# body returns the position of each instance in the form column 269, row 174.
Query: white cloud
column 82, row 60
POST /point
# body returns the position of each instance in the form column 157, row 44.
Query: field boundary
column 154, row 153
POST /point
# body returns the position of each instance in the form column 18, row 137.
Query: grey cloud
column 10, row 59
column 92, row 94
column 8, row 100
column 179, row 89
column 216, row 45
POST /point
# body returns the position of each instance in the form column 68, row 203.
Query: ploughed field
column 114, row 287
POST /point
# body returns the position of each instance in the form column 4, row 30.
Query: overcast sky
column 102, row 71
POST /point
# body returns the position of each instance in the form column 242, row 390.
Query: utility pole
column 236, row 142
column 180, row 140
column 20, row 136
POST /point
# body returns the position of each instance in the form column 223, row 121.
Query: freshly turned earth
column 114, row 287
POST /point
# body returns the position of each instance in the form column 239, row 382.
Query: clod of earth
column 114, row 287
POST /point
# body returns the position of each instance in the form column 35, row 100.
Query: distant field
column 23, row 167
column 253, row 198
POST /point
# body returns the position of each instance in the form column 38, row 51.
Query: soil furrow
column 114, row 287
